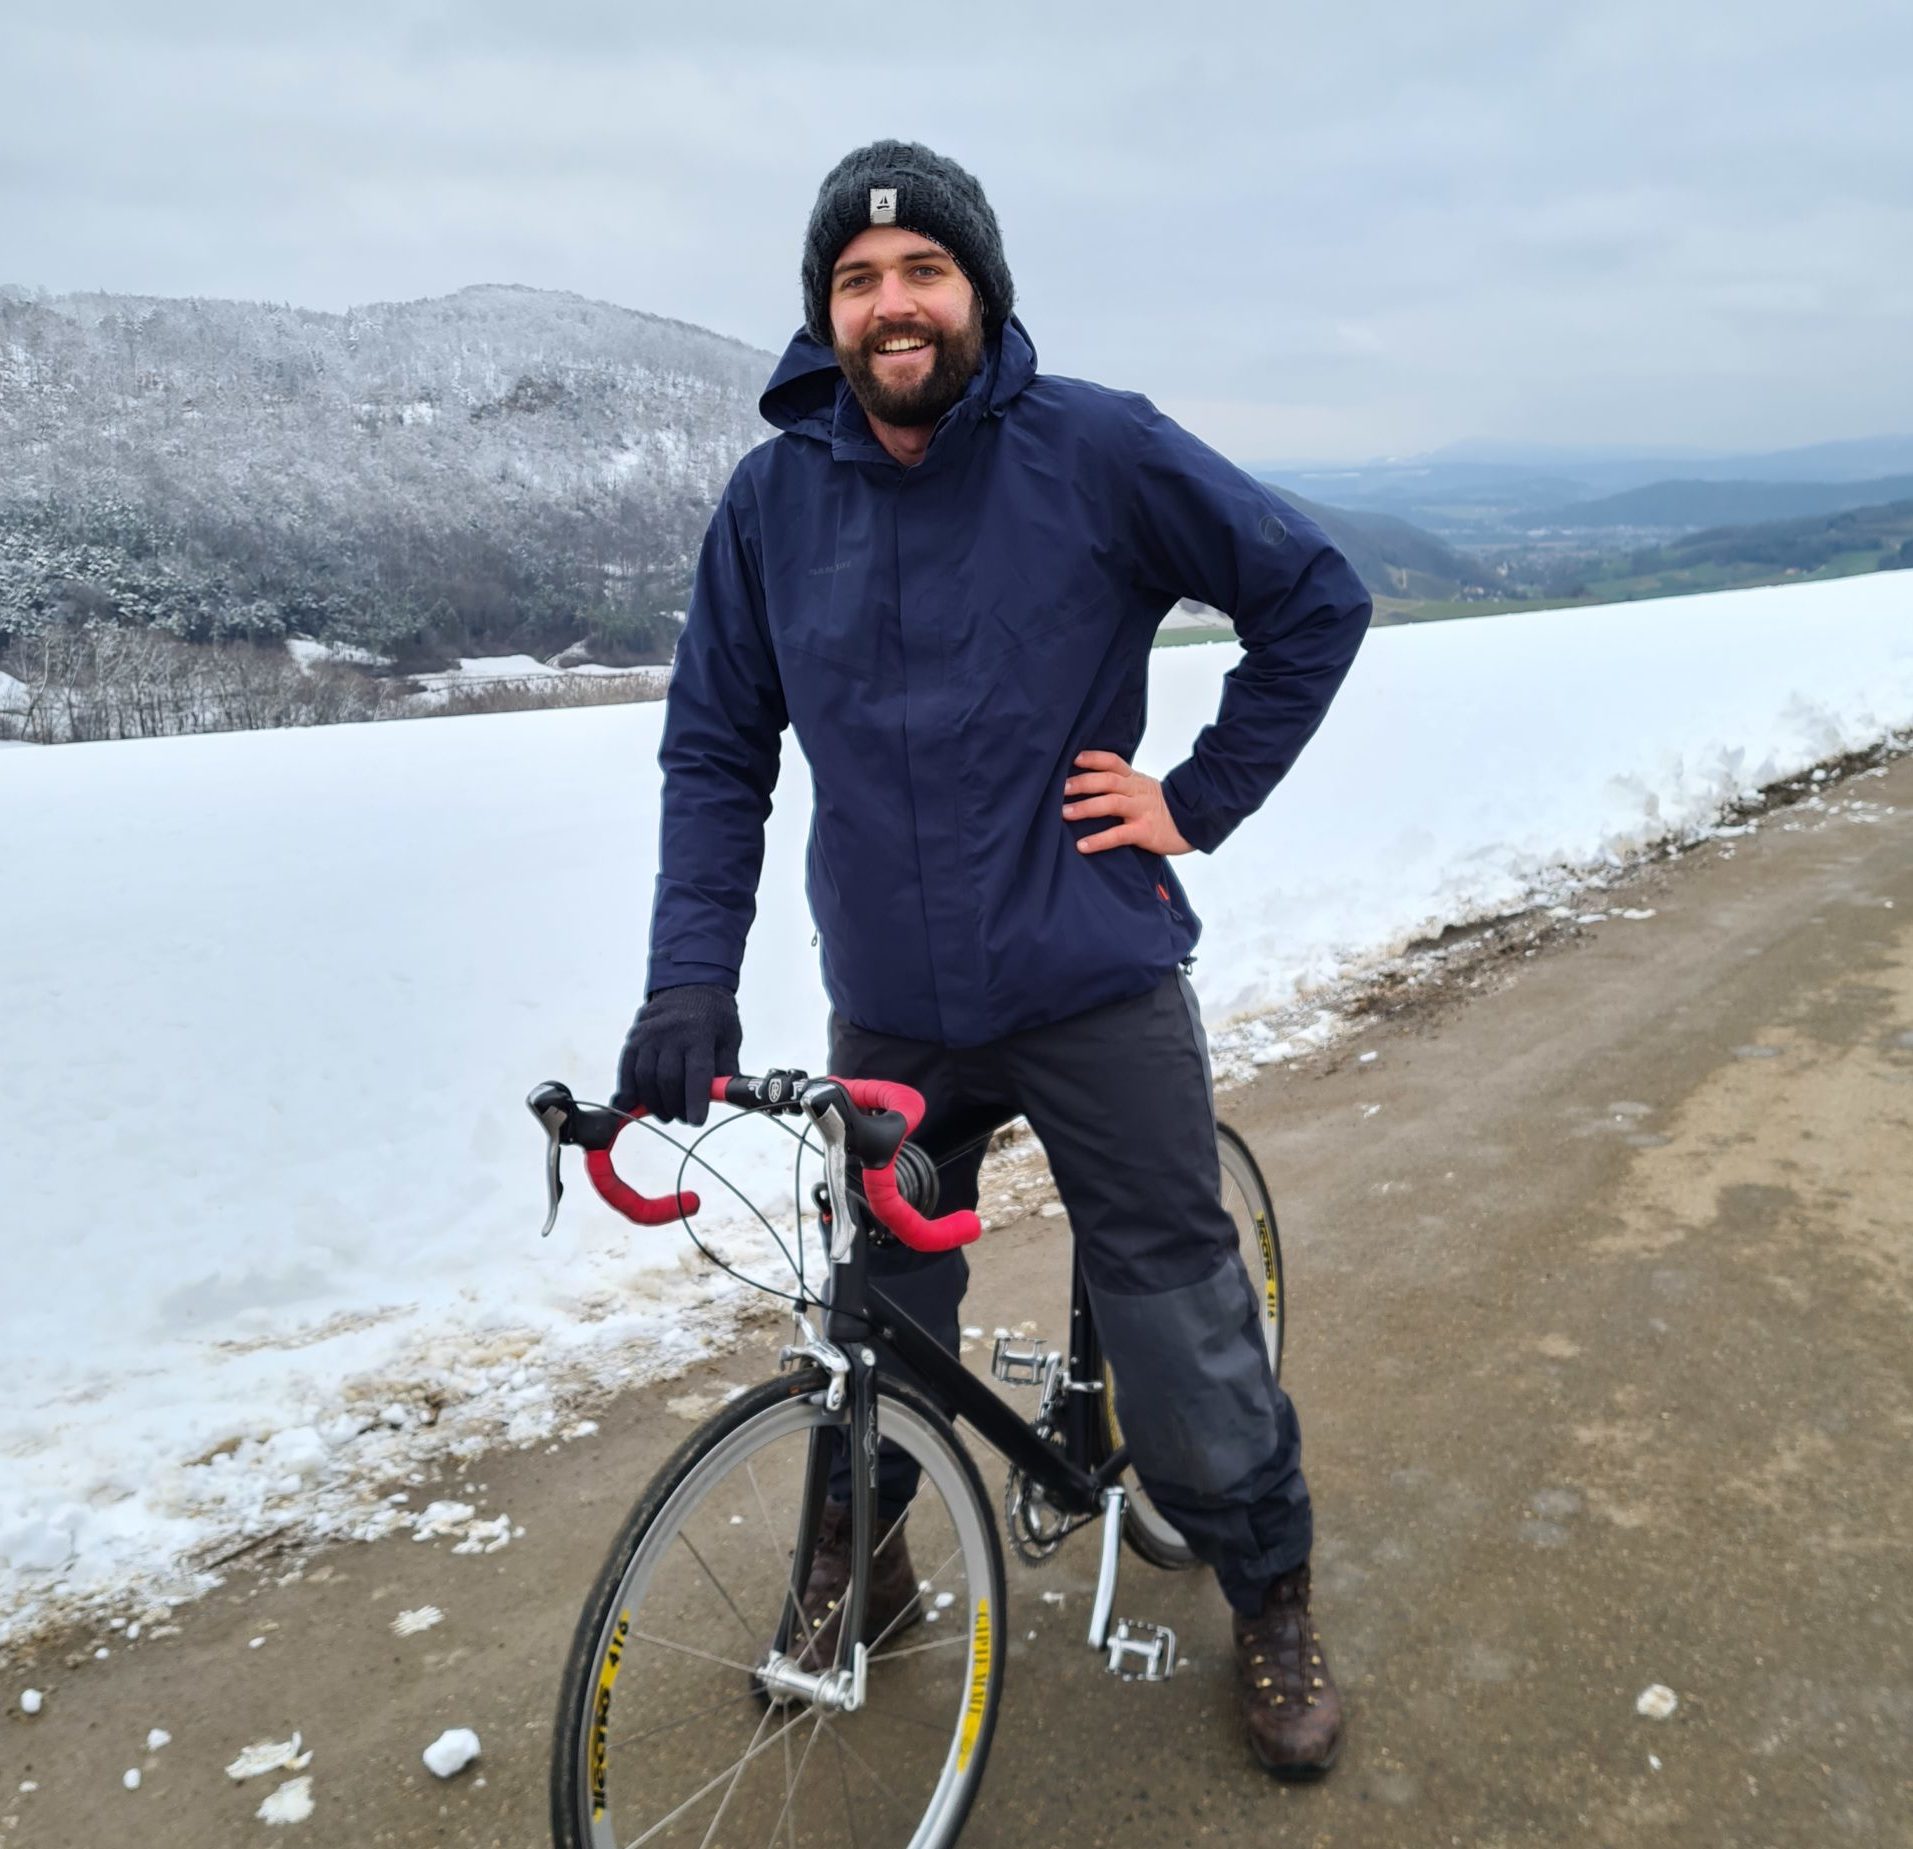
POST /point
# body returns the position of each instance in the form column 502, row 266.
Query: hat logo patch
column 883, row 205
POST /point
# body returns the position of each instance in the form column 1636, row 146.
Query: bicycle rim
column 1245, row 1196
column 664, row 1735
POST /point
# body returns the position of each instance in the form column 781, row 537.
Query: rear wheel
column 665, row 1735
column 1245, row 1196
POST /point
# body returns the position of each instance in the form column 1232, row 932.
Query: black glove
column 682, row 1039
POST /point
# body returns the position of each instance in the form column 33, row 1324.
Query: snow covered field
column 270, row 1003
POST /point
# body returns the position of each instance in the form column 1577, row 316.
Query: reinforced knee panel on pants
column 1194, row 1393
column 1214, row 1439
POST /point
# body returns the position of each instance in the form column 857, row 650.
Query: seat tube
column 1082, row 1410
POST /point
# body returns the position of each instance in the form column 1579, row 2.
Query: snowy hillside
column 499, row 469
column 272, row 1002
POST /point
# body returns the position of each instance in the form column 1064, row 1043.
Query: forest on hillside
column 496, row 471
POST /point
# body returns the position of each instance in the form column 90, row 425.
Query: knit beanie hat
column 903, row 183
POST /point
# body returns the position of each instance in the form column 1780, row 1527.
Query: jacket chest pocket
column 833, row 618
column 1027, row 618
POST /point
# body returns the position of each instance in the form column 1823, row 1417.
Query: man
column 946, row 573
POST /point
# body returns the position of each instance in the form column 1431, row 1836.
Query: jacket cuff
column 1200, row 827
column 665, row 974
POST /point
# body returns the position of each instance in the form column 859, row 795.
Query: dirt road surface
column 1600, row 1286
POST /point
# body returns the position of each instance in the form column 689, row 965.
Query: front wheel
column 665, row 1735
column 1245, row 1197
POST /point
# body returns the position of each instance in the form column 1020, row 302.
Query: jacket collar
column 808, row 395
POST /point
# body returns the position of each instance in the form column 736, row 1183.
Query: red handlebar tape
column 620, row 1194
column 943, row 1234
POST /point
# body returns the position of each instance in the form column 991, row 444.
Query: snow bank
column 308, row 653
column 273, row 1002
column 491, row 668
column 435, row 689
column 1466, row 759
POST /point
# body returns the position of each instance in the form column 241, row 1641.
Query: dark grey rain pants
column 1121, row 1099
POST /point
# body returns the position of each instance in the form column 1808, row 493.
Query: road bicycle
column 697, row 1706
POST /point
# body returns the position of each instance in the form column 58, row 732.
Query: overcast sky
column 1322, row 233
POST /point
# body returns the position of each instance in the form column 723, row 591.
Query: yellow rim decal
column 601, row 1712
column 1270, row 1288
column 979, row 1684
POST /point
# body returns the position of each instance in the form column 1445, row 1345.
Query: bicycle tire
column 1147, row 1531
column 791, row 1406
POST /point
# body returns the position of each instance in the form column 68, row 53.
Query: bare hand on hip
column 1105, row 785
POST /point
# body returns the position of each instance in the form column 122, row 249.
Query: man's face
column 889, row 288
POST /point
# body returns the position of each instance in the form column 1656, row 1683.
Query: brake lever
column 550, row 1104
column 554, row 1186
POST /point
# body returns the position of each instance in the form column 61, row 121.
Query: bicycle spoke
column 729, row 1701
column 744, row 1624
column 697, row 1744
column 916, row 1598
column 892, row 1712
column 843, row 1778
column 664, row 1643
column 724, row 1803
column 890, row 1534
column 788, row 1789
column 786, row 1565
column 941, row 1643
column 757, row 1746
column 870, row 1772
column 787, row 1817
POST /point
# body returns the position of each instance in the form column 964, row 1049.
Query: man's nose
column 893, row 297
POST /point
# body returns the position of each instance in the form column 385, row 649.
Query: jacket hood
column 803, row 393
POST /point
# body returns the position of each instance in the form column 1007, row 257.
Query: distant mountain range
column 1692, row 505
column 1476, row 493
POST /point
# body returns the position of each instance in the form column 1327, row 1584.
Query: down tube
column 970, row 1400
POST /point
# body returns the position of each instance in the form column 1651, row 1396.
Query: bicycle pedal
column 1142, row 1652
column 1019, row 1364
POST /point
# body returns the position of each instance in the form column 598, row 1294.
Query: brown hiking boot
column 893, row 1600
column 1289, row 1699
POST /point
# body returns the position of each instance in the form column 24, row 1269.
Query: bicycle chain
column 1035, row 1526
column 1024, row 1506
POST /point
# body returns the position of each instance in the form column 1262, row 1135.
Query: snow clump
column 451, row 1752
column 269, row 1756
column 291, row 1803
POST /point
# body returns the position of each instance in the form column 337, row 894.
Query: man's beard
column 955, row 357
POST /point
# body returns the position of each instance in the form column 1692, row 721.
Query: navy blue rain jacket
column 945, row 639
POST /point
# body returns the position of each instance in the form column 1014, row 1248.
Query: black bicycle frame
column 859, row 1312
